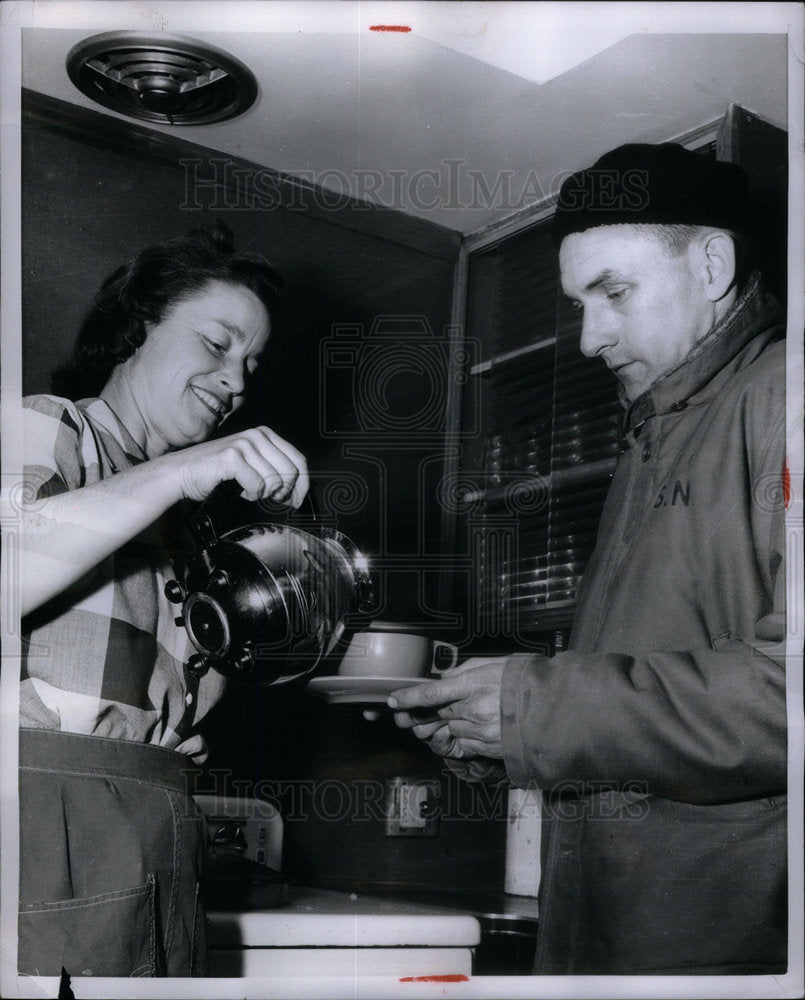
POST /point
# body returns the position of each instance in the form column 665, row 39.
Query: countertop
column 316, row 917
column 483, row 903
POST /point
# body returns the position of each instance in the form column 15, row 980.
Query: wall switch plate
column 412, row 807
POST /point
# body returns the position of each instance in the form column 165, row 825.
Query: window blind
column 550, row 442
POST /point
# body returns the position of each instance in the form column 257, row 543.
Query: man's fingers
column 406, row 720
column 454, row 685
column 426, row 730
column 476, row 661
column 462, row 748
column 443, row 744
column 429, row 694
column 463, row 729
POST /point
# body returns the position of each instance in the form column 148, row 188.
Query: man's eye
column 616, row 295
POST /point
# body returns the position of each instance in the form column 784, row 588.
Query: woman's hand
column 67, row 535
column 263, row 463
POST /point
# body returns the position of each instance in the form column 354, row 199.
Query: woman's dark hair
column 139, row 294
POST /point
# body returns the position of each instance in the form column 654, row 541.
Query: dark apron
column 111, row 848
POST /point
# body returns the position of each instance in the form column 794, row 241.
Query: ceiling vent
column 161, row 78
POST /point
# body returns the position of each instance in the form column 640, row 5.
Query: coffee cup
column 394, row 652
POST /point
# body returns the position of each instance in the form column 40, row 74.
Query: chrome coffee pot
column 266, row 602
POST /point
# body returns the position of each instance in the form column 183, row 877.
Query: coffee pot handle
column 227, row 491
column 230, row 489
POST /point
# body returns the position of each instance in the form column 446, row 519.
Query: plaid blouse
column 105, row 658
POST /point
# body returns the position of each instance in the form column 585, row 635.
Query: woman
column 110, row 840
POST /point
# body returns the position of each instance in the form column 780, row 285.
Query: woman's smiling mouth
column 210, row 401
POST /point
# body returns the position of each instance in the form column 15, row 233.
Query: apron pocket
column 111, row 934
column 199, row 965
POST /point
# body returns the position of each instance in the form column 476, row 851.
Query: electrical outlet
column 412, row 807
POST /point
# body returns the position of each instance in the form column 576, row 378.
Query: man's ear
column 718, row 261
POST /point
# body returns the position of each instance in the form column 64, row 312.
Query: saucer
column 337, row 690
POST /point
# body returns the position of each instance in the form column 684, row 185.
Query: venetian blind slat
column 551, row 439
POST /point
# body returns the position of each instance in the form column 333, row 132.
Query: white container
column 523, row 841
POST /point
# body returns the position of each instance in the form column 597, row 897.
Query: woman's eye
column 616, row 295
column 214, row 346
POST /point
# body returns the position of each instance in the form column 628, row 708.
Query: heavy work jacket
column 659, row 736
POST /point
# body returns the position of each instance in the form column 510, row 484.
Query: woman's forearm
column 66, row 536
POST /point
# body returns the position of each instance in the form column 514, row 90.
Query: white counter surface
column 325, row 918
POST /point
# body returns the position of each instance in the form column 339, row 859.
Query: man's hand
column 458, row 716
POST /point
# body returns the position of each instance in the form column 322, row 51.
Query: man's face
column 644, row 310
column 191, row 371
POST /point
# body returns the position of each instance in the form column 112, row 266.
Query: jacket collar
column 720, row 352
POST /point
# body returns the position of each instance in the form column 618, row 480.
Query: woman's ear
column 718, row 261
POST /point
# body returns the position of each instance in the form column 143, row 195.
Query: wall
column 94, row 192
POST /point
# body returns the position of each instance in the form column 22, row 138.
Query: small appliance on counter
column 310, row 932
column 244, row 854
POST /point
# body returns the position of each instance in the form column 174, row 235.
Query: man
column 658, row 737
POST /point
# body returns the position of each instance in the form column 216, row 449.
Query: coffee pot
column 265, row 602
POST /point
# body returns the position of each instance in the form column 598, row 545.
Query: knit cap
column 664, row 184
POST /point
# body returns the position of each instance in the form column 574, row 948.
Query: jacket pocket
column 720, row 640
column 111, row 934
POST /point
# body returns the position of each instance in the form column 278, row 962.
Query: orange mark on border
column 786, row 485
column 389, row 27
column 454, row 978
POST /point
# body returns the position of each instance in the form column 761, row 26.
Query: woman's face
column 191, row 371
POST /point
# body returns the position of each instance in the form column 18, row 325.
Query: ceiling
column 476, row 112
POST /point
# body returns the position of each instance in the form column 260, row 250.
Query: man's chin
column 631, row 385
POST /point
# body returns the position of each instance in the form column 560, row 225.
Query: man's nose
column 597, row 333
